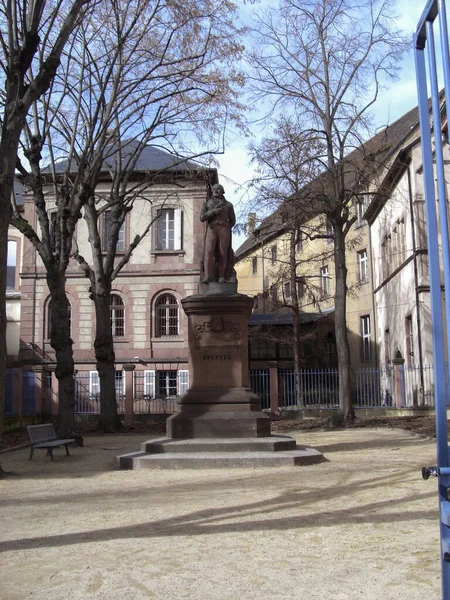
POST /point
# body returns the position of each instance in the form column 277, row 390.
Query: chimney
column 251, row 223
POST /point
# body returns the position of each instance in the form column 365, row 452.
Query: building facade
column 149, row 326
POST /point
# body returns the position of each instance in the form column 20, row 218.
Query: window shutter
column 182, row 382
column 94, row 383
column 177, row 233
column 149, row 383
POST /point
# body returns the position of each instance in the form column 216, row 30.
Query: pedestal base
column 273, row 451
column 218, row 413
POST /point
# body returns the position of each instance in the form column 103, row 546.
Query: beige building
column 149, row 326
column 386, row 263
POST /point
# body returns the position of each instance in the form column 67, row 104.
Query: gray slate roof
column 151, row 158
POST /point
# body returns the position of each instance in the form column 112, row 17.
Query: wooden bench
column 44, row 436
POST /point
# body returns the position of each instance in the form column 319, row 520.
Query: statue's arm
column 207, row 213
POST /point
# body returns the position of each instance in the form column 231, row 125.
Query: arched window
column 117, row 314
column 166, row 315
column 49, row 319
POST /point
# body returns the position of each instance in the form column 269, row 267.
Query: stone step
column 301, row 456
column 264, row 444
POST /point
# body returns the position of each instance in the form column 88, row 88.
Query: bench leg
column 50, row 453
column 67, row 449
column 31, row 453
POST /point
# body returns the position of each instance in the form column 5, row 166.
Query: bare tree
column 137, row 74
column 282, row 169
column 32, row 38
column 324, row 61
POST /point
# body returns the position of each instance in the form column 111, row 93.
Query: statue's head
column 217, row 190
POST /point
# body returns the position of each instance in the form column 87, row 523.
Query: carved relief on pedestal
column 217, row 331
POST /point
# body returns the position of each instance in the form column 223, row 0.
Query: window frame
column 324, row 281
column 363, row 266
column 387, row 347
column 409, row 332
column 366, row 336
column 16, row 287
column 300, row 240
column 162, row 322
column 104, row 233
column 177, row 229
column 359, row 212
column 114, row 318
column 287, row 292
column 273, row 254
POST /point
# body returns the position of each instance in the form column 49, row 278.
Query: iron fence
column 310, row 388
column 87, row 393
column 157, row 392
column 371, row 388
column 259, row 382
column 147, row 398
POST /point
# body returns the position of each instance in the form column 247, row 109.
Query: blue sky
column 235, row 170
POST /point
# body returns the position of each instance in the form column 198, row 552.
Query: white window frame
column 409, row 341
column 94, row 384
column 366, row 334
column 163, row 242
column 359, row 211
column 114, row 317
column 182, row 381
column 324, row 280
column 363, row 266
column 149, row 383
column 163, row 320
column 11, row 261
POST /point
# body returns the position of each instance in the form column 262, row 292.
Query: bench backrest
column 41, row 433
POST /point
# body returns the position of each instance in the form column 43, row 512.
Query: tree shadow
column 253, row 516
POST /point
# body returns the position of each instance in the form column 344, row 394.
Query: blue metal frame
column 424, row 38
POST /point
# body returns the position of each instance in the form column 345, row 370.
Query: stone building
column 149, row 326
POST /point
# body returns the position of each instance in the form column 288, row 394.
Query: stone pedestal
column 219, row 403
column 218, row 422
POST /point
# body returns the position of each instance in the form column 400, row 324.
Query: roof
column 276, row 318
column 151, row 158
column 359, row 166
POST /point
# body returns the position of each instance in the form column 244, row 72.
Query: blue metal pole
column 439, row 157
column 436, row 299
column 445, row 46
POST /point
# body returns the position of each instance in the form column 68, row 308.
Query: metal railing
column 87, row 393
column 310, row 388
column 371, row 388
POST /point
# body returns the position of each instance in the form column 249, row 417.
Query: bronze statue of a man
column 218, row 256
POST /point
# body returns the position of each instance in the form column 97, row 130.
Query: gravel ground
column 362, row 525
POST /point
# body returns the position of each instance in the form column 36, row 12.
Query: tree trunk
column 342, row 344
column 9, row 142
column 104, row 353
column 296, row 329
column 61, row 342
column 4, row 221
